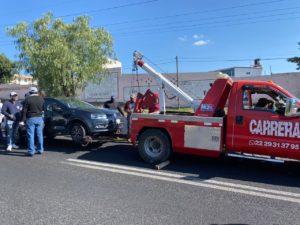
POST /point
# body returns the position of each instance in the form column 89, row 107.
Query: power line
column 199, row 60
column 155, row 64
column 207, row 27
column 107, row 9
column 200, row 25
column 196, row 12
column 99, row 10
column 146, row 2
column 30, row 10
column 218, row 17
column 155, row 32
column 234, row 60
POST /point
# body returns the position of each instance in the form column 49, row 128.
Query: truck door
column 259, row 122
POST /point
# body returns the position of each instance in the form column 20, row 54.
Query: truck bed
column 188, row 134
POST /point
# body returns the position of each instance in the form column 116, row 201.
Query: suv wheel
column 78, row 133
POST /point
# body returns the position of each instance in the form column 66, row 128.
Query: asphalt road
column 109, row 184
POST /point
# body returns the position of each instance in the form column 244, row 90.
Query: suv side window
column 48, row 105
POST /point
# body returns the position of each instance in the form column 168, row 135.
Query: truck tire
column 154, row 146
column 78, row 133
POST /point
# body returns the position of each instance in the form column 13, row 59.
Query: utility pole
column 178, row 104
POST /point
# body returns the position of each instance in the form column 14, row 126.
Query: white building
column 23, row 80
column 95, row 92
column 251, row 71
column 242, row 71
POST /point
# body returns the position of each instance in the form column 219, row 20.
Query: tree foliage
column 7, row 69
column 295, row 60
column 61, row 56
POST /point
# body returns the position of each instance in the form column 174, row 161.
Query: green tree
column 295, row 60
column 7, row 69
column 62, row 57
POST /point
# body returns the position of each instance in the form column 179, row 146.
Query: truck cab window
column 263, row 99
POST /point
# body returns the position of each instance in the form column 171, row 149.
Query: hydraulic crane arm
column 138, row 60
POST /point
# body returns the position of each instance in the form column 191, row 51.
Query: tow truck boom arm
column 165, row 82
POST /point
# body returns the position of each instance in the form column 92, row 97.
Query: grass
column 188, row 110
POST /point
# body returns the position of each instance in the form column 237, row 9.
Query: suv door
column 260, row 126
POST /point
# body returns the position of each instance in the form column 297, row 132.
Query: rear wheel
column 154, row 146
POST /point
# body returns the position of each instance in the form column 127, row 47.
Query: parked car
column 83, row 121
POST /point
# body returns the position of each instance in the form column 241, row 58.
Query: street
column 110, row 184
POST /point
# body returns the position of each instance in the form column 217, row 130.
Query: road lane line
column 195, row 178
column 188, row 182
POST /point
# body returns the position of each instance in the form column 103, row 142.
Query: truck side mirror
column 292, row 108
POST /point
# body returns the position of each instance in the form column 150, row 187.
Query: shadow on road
column 14, row 153
column 286, row 174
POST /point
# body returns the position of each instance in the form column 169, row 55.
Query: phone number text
column 274, row 144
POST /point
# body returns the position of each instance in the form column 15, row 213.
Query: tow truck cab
column 271, row 130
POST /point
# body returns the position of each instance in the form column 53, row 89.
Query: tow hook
column 86, row 141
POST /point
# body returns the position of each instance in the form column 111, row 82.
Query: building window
column 248, row 73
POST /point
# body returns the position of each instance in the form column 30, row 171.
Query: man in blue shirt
column 12, row 112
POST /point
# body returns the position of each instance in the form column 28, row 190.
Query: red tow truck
column 230, row 120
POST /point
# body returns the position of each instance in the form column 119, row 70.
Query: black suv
column 83, row 121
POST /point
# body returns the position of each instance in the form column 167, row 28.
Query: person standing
column 32, row 113
column 2, row 124
column 113, row 104
column 11, row 111
column 129, row 109
column 130, row 105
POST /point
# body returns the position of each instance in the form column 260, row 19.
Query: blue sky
column 205, row 34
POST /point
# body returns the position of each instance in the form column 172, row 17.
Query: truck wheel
column 154, row 146
column 78, row 133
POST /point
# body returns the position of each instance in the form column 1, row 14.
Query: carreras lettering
column 275, row 128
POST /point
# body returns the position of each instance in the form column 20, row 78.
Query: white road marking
column 170, row 177
column 136, row 169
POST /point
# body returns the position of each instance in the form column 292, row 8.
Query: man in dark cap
column 32, row 113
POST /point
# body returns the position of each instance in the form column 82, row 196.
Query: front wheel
column 154, row 146
column 78, row 134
